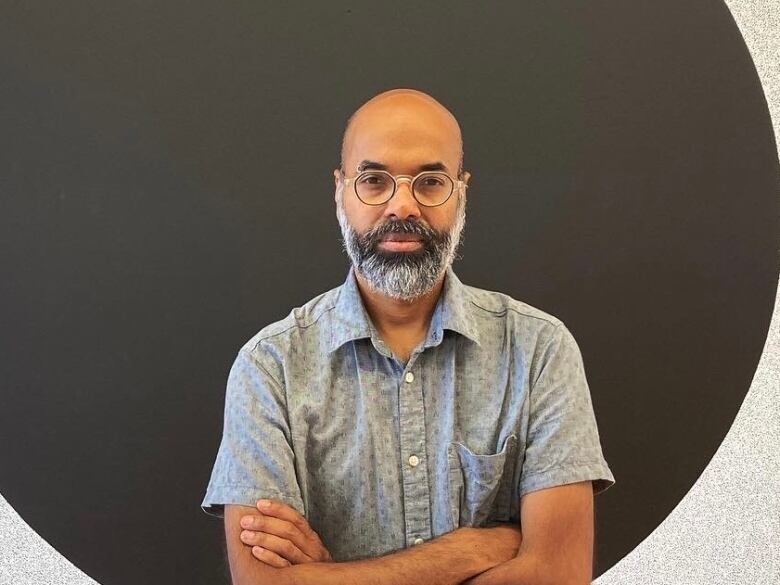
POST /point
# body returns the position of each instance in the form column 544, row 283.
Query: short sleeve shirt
column 378, row 454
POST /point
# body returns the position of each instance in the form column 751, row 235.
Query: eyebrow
column 370, row 164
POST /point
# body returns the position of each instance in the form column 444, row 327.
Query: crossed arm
column 555, row 548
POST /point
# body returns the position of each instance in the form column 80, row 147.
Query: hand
column 280, row 536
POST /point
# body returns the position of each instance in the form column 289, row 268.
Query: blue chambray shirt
column 379, row 455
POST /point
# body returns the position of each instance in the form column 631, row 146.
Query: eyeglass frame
column 456, row 184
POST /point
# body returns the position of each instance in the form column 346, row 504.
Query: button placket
column 414, row 472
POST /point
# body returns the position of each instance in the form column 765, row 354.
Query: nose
column 403, row 204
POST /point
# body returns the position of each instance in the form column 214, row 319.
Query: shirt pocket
column 480, row 485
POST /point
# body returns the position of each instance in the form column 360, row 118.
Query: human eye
column 432, row 180
column 372, row 179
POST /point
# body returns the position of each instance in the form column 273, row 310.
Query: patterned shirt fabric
column 378, row 454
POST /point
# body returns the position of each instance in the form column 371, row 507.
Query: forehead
column 403, row 136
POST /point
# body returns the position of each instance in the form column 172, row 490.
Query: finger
column 309, row 541
column 311, row 547
column 280, row 528
column 256, row 523
column 280, row 546
column 280, row 510
column 269, row 557
column 261, row 523
column 252, row 521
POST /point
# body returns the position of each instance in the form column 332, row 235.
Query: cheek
column 361, row 218
column 442, row 222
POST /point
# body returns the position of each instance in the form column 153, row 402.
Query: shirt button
column 414, row 460
column 418, row 541
column 409, row 377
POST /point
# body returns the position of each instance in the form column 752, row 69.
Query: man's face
column 403, row 135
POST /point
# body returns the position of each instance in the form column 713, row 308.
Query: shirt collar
column 453, row 311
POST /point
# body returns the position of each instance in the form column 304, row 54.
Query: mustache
column 401, row 226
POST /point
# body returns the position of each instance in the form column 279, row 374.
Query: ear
column 336, row 182
column 466, row 177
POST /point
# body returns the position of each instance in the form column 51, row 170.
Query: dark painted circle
column 166, row 191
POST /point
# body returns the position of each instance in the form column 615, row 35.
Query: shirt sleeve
column 562, row 445
column 255, row 457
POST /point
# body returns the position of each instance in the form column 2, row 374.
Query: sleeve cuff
column 218, row 495
column 596, row 471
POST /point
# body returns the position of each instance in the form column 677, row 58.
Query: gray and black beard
column 402, row 275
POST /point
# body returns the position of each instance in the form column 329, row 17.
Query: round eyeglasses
column 429, row 188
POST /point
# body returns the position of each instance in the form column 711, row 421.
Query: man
column 405, row 427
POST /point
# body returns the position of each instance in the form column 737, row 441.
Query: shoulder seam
column 296, row 324
column 267, row 373
column 553, row 321
column 547, row 345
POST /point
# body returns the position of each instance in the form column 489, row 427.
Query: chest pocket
column 480, row 485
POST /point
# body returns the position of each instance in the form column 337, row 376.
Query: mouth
column 400, row 245
column 400, row 242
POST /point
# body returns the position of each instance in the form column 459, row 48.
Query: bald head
column 402, row 118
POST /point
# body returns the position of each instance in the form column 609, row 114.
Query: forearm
column 528, row 569
column 521, row 570
column 447, row 560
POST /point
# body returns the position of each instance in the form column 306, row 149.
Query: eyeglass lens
column 429, row 189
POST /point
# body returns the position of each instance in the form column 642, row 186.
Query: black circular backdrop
column 165, row 172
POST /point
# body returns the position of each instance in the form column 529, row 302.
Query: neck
column 391, row 315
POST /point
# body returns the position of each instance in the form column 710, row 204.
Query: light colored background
column 726, row 530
